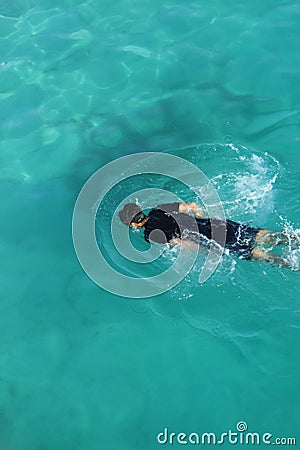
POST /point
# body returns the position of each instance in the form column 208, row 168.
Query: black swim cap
column 131, row 213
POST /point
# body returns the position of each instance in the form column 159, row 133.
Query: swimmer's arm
column 191, row 208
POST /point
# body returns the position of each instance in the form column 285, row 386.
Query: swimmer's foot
column 287, row 239
column 277, row 238
column 259, row 254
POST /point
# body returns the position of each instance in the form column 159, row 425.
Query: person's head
column 132, row 215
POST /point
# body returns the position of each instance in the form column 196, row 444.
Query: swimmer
column 164, row 223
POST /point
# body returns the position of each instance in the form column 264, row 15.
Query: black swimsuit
column 166, row 223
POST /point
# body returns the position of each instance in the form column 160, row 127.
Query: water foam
column 247, row 181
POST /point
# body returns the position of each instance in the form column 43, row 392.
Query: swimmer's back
column 165, row 223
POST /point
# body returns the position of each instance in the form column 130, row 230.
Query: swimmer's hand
column 191, row 208
column 175, row 241
column 186, row 244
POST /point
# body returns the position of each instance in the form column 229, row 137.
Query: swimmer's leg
column 260, row 255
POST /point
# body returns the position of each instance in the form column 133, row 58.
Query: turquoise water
column 82, row 83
